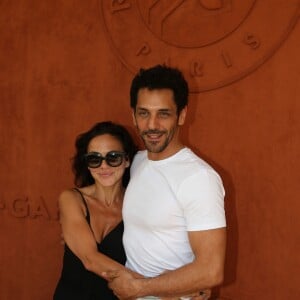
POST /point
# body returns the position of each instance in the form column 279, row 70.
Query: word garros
column 27, row 208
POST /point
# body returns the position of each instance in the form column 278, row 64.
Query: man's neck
column 166, row 153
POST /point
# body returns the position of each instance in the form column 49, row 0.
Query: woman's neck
column 109, row 195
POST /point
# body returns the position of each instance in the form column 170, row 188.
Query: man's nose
column 152, row 122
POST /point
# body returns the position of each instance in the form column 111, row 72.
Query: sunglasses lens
column 93, row 161
column 114, row 159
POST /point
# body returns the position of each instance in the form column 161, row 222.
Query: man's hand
column 124, row 284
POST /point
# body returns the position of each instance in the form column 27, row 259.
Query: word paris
column 215, row 43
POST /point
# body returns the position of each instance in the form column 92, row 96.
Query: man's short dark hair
column 161, row 77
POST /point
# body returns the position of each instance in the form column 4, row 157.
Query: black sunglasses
column 112, row 158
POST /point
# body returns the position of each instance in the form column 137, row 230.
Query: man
column 173, row 208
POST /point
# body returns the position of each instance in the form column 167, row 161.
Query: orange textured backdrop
column 60, row 73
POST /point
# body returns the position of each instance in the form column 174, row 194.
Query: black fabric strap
column 85, row 204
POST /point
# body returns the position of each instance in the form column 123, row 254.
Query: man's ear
column 133, row 116
column 182, row 115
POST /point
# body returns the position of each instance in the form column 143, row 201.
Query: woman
column 91, row 213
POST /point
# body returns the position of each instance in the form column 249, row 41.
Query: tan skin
column 104, row 199
column 159, row 124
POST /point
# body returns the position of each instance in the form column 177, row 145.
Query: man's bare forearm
column 186, row 280
column 204, row 272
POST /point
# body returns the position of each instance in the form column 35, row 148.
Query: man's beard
column 156, row 146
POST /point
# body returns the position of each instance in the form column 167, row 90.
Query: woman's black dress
column 77, row 283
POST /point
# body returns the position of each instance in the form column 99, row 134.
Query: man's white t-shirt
column 164, row 200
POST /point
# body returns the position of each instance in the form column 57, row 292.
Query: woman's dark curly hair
column 82, row 174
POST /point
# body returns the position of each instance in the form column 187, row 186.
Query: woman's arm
column 206, row 271
column 79, row 237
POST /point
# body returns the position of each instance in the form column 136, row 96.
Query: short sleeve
column 202, row 199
